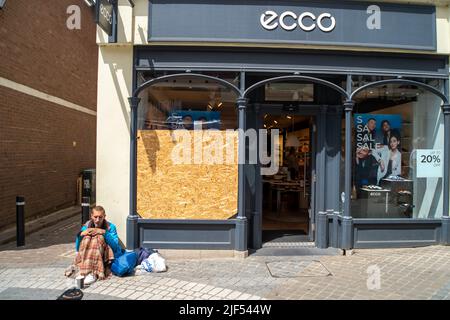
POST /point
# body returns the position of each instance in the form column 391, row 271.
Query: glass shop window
column 189, row 103
column 398, row 139
column 187, row 149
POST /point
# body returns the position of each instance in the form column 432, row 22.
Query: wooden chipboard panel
column 166, row 190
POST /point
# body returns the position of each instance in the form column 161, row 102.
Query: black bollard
column 20, row 221
column 85, row 204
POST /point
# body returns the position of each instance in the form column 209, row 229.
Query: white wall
column 113, row 135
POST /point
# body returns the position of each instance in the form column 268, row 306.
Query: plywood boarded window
column 196, row 119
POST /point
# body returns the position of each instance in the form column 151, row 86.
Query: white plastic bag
column 157, row 262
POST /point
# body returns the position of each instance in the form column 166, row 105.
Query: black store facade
column 370, row 164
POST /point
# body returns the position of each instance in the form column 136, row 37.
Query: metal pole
column 20, row 221
column 85, row 204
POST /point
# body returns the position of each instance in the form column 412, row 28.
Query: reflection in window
column 188, row 103
column 289, row 91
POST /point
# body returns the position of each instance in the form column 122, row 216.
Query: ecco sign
column 289, row 20
column 105, row 15
column 325, row 22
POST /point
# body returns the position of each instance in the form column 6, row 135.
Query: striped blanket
column 94, row 256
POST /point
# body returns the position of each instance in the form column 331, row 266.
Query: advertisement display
column 429, row 164
column 378, row 152
column 378, row 176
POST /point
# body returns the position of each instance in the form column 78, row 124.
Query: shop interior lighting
column 219, row 105
column 292, row 140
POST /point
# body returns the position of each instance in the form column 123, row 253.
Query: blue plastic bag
column 143, row 254
column 124, row 264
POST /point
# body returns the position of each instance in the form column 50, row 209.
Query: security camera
column 2, row 3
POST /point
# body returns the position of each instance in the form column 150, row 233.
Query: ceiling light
column 289, row 117
column 219, row 105
column 209, row 106
column 275, row 121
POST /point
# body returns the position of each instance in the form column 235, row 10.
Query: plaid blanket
column 94, row 256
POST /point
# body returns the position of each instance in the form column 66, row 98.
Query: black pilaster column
column 241, row 225
column 445, row 215
column 347, row 221
column 132, row 219
column 257, row 212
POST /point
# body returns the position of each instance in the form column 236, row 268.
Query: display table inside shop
column 392, row 200
column 402, row 195
column 280, row 186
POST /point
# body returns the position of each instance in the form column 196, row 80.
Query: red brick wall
column 38, row 158
column 38, row 50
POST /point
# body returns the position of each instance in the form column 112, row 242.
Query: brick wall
column 38, row 50
column 44, row 146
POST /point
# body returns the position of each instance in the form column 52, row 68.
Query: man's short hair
column 98, row 208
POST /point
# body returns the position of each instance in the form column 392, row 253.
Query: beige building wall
column 115, row 70
column 115, row 85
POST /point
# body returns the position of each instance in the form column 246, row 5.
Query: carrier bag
column 124, row 264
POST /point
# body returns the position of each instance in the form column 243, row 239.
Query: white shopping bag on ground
column 157, row 262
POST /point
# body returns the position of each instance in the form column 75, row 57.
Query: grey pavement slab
column 36, row 271
column 45, row 294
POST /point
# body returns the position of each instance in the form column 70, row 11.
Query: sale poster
column 378, row 148
column 429, row 163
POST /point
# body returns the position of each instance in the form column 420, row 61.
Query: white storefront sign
column 429, row 163
column 269, row 21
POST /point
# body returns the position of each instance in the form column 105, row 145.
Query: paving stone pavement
column 36, row 271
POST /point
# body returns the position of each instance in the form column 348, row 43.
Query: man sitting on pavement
column 97, row 245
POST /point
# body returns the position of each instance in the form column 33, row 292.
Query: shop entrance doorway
column 288, row 195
